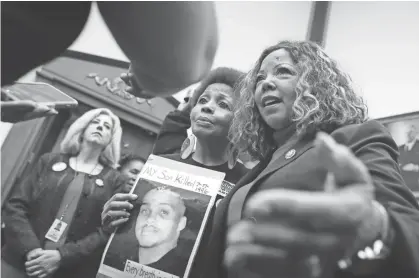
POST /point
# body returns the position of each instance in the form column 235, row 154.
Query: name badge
column 56, row 230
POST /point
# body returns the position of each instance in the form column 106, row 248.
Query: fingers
column 126, row 77
column 120, row 205
column 133, row 87
column 284, row 237
column 109, row 214
column 280, row 251
column 118, row 222
column 255, row 258
column 118, row 214
column 340, row 160
column 21, row 105
column 38, row 273
column 123, row 197
column 34, row 262
column 34, row 254
column 311, row 210
column 32, row 269
column 116, row 207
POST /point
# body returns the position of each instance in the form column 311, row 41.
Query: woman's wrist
column 379, row 245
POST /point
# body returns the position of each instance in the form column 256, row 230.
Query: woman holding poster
column 52, row 217
column 327, row 198
column 209, row 113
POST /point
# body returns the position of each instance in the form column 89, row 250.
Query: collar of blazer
column 265, row 168
column 219, row 228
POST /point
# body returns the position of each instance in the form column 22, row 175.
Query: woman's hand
column 24, row 110
column 185, row 105
column 44, row 265
column 133, row 87
column 304, row 234
column 33, row 254
column 115, row 211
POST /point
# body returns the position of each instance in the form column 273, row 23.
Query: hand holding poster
column 166, row 224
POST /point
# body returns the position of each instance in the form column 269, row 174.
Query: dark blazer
column 172, row 133
column 372, row 144
column 32, row 208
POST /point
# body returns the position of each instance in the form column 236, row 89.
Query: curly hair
column 325, row 99
column 71, row 143
column 127, row 158
column 228, row 76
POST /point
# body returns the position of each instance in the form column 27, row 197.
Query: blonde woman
column 53, row 224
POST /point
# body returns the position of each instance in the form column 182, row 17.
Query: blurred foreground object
column 24, row 110
column 171, row 45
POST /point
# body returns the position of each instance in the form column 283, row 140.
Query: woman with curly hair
column 327, row 198
column 52, row 218
column 209, row 112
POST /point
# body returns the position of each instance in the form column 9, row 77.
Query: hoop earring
column 188, row 147
column 232, row 155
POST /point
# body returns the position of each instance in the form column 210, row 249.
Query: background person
column 312, row 207
column 409, row 159
column 52, row 217
column 130, row 166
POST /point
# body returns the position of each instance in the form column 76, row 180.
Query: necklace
column 77, row 168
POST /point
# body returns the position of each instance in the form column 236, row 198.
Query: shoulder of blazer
column 357, row 135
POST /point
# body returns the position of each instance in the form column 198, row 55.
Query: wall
column 378, row 44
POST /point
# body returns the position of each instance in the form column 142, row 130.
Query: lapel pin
column 99, row 182
column 59, row 166
column 290, row 154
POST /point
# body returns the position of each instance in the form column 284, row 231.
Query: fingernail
column 135, row 196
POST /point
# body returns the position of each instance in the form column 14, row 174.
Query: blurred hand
column 185, row 104
column 44, row 265
column 115, row 211
column 133, row 87
column 24, row 110
column 297, row 233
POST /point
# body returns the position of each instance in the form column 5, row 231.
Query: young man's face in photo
column 161, row 218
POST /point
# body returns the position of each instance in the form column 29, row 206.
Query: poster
column 163, row 233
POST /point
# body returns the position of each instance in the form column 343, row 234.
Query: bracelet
column 378, row 250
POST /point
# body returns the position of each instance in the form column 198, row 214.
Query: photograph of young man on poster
column 157, row 229
column 162, row 229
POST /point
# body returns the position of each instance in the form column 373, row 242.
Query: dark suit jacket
column 371, row 143
column 172, row 133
